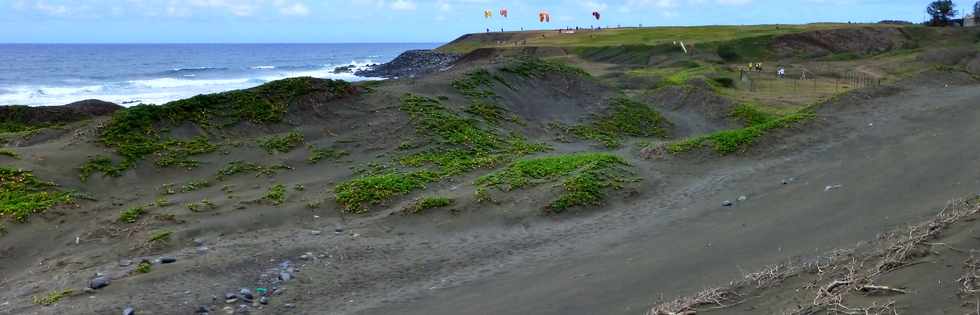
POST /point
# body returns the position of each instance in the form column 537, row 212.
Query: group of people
column 757, row 67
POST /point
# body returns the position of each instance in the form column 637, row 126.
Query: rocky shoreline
column 410, row 64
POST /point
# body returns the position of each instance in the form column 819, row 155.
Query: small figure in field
column 758, row 67
column 781, row 73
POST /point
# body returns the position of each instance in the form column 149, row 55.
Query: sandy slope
column 898, row 159
column 898, row 153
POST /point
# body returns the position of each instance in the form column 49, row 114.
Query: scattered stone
column 168, row 260
column 125, row 263
column 278, row 291
column 129, row 311
column 198, row 242
column 202, row 310
column 285, row 276
column 264, row 300
column 727, row 203
column 202, row 249
column 832, row 187
column 231, row 298
column 743, row 198
column 338, row 231
column 246, row 294
column 99, row 282
column 315, row 232
column 290, row 305
column 228, row 310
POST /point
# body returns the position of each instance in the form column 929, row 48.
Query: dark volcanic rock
column 411, row 63
column 344, row 69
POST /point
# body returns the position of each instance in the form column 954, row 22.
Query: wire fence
column 802, row 82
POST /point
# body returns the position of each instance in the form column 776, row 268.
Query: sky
column 434, row 21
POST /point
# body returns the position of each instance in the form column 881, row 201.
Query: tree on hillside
column 941, row 12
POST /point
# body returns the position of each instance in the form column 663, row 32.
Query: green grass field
column 636, row 36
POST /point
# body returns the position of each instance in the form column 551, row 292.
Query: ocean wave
column 165, row 83
column 195, row 70
column 166, row 89
column 263, row 67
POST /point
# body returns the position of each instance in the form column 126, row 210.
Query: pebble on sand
column 99, row 282
column 832, row 187
column 727, row 203
column 129, row 311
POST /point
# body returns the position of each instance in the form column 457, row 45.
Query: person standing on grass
column 781, row 73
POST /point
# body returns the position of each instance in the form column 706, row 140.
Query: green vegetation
column 242, row 167
column 22, row 194
column 15, row 127
column 625, row 118
column 162, row 202
column 476, row 84
column 745, row 49
column 460, row 146
column 530, row 67
column 9, row 153
column 429, row 203
column 195, row 185
column 131, row 215
column 374, row 189
column 449, row 128
column 144, row 267
column 751, row 115
column 204, row 205
column 650, row 36
column 586, row 177
column 674, row 76
column 52, row 297
column 453, row 161
column 100, row 164
column 319, row 154
column 731, row 141
column 477, row 87
column 281, row 144
column 160, row 237
column 178, row 153
column 140, row 131
column 276, row 194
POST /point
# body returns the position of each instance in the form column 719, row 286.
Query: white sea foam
column 263, row 67
column 162, row 90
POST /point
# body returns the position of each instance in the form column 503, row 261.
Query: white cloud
column 403, row 5
column 734, row 2
column 51, row 9
column 296, row 9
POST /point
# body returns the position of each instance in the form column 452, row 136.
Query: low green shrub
column 22, row 194
column 282, row 144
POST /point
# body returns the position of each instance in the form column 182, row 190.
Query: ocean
column 130, row 74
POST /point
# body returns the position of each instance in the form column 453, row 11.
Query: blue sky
column 182, row 21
